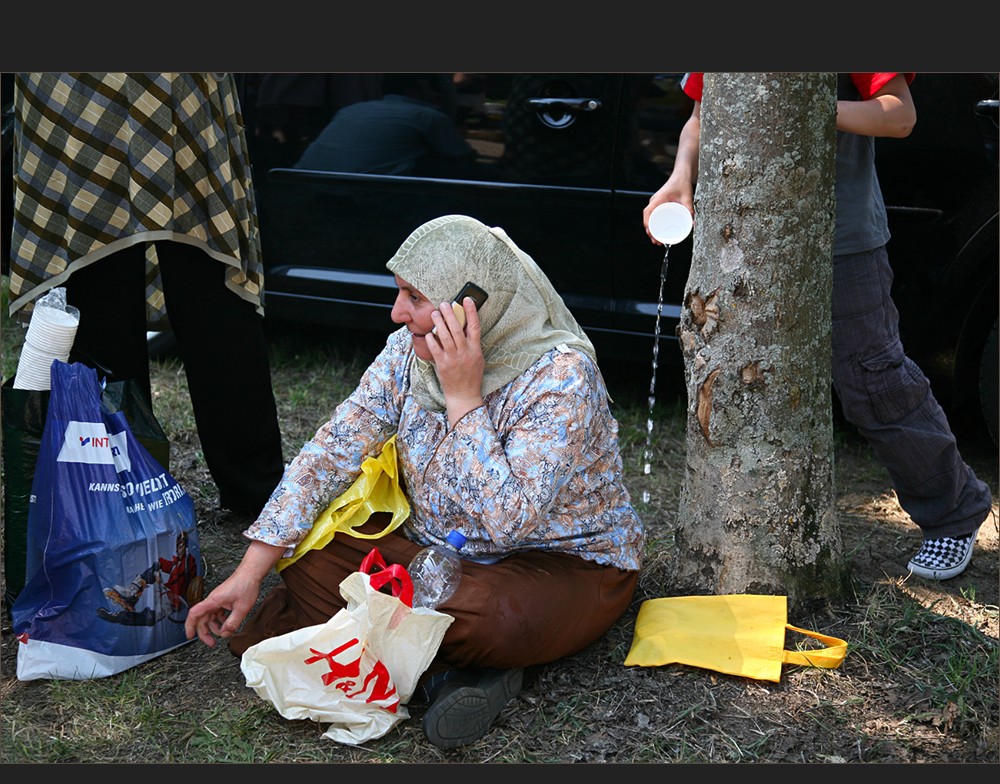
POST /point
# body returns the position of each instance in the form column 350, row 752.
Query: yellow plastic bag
column 739, row 634
column 376, row 490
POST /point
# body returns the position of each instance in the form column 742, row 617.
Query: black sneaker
column 944, row 558
column 468, row 703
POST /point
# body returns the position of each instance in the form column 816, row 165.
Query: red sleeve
column 867, row 83
column 692, row 84
column 870, row 83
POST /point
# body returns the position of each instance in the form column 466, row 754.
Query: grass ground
column 919, row 684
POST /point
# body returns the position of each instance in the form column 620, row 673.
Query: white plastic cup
column 34, row 369
column 63, row 318
column 670, row 223
column 52, row 330
column 50, row 336
column 51, row 341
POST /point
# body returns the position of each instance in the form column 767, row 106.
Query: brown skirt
column 530, row 608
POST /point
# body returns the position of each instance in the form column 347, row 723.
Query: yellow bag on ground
column 739, row 634
column 376, row 490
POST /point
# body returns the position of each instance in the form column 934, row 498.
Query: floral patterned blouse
column 536, row 468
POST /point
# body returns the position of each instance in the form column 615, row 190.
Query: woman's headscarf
column 523, row 318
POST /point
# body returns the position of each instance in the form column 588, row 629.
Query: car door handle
column 987, row 109
column 565, row 105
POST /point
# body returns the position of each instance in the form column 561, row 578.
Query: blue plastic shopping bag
column 113, row 561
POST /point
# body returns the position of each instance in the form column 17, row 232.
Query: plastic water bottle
column 436, row 572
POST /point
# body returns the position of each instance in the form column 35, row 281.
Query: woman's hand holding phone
column 458, row 358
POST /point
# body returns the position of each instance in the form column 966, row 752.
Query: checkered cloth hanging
column 103, row 160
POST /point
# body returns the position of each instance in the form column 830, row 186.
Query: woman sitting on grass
column 504, row 434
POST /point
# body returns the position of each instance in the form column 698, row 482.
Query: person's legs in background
column 110, row 294
column 888, row 398
column 221, row 341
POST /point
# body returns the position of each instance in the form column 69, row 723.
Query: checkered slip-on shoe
column 944, row 558
column 468, row 704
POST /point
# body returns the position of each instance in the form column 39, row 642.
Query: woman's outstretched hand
column 221, row 612
column 458, row 358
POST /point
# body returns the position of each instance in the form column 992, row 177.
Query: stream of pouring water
column 648, row 455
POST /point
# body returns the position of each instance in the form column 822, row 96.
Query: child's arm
column 889, row 112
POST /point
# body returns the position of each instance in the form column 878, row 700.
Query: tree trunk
column 757, row 512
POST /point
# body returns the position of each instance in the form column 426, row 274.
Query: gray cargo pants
column 887, row 397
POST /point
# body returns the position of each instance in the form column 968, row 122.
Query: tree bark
column 758, row 509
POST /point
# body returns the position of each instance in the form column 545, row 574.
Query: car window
column 543, row 129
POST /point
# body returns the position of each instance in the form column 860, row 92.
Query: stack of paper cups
column 50, row 337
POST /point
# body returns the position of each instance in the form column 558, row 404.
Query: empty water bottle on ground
column 436, row 572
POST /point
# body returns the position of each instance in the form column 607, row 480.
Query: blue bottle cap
column 456, row 539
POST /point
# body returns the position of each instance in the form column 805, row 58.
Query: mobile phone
column 470, row 289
